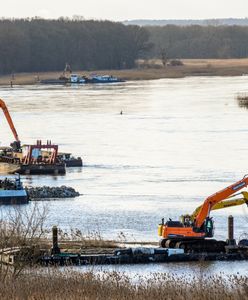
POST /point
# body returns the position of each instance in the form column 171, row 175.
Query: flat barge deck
column 162, row 257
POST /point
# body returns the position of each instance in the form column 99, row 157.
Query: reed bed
column 54, row 284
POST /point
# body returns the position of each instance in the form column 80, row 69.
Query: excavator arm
column 11, row 124
column 216, row 198
column 223, row 204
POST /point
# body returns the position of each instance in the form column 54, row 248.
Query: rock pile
column 51, row 192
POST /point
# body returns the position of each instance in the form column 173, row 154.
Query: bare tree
column 21, row 232
column 164, row 58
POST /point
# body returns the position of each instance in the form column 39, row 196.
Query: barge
column 34, row 159
column 12, row 191
column 104, row 79
column 230, row 251
column 69, row 160
column 81, row 79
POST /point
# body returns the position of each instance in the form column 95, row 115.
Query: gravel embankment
column 52, row 192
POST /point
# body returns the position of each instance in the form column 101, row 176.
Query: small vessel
column 77, row 79
column 104, row 79
column 81, row 79
column 12, row 191
column 69, row 160
column 62, row 80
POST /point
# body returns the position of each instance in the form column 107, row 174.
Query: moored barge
column 12, row 191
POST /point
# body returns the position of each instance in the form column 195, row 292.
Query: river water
column 177, row 142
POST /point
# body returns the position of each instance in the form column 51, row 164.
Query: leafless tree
column 21, row 231
column 164, row 58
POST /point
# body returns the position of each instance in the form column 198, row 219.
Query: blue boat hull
column 13, row 197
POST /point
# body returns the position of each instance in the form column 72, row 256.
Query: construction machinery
column 193, row 231
column 39, row 158
column 16, row 145
column 30, row 159
column 219, row 205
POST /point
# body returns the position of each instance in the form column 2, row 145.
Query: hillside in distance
column 178, row 22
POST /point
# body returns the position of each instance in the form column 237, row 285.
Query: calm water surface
column 177, row 142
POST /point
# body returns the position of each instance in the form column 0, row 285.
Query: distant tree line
column 34, row 45
column 199, row 41
column 31, row 45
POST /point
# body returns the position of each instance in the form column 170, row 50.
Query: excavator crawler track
column 196, row 246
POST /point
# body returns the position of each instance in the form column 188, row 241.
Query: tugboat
column 70, row 161
column 12, row 191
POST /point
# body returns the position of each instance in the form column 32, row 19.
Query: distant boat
column 74, row 78
column 77, row 79
column 69, row 160
column 104, row 79
column 12, row 191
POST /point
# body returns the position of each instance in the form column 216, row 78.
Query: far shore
column 146, row 70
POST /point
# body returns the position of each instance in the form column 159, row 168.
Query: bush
column 175, row 63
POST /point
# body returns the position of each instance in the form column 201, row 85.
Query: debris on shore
column 45, row 192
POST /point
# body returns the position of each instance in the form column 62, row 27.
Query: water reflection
column 186, row 269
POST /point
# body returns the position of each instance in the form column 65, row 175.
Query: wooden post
column 55, row 248
column 231, row 241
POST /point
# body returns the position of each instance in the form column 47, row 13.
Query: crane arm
column 216, row 198
column 9, row 119
column 224, row 204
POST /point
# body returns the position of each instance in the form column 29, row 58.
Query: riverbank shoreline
column 146, row 70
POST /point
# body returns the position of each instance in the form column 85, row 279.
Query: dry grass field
column 147, row 70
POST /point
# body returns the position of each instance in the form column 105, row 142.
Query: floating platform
column 37, row 159
column 40, row 169
column 54, row 81
column 138, row 256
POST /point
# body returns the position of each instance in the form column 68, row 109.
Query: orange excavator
column 191, row 234
column 16, row 145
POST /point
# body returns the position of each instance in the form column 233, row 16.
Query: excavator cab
column 16, row 146
column 209, row 227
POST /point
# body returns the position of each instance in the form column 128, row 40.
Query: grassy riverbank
column 148, row 70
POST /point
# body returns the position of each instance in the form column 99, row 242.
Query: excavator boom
column 223, row 204
column 9, row 119
column 216, row 198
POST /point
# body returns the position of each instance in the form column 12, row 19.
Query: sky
column 120, row 10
